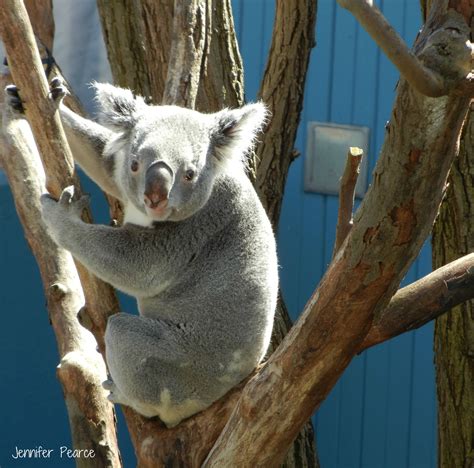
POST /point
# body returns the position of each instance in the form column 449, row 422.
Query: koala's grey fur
column 198, row 254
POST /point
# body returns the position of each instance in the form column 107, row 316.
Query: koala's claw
column 13, row 99
column 66, row 200
column 57, row 89
column 66, row 195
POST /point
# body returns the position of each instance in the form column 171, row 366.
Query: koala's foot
column 13, row 100
column 57, row 90
column 115, row 396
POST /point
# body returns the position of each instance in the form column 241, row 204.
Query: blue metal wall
column 382, row 412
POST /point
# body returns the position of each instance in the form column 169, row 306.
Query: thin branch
column 422, row 78
column 424, row 300
column 346, row 195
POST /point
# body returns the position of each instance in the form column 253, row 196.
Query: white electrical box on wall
column 326, row 155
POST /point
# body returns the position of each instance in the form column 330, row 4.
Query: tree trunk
column 453, row 237
column 282, row 90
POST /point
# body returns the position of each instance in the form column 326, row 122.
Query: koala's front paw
column 57, row 90
column 13, row 100
column 57, row 214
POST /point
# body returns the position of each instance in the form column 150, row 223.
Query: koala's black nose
column 158, row 183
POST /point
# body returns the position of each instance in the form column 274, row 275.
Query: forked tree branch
column 346, row 196
column 428, row 80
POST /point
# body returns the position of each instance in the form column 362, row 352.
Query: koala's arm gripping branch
column 111, row 254
column 87, row 140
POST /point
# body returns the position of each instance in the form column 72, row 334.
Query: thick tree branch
column 190, row 23
column 424, row 300
column 282, row 90
column 24, row 62
column 425, row 76
column 346, row 196
column 222, row 76
column 42, row 20
column 27, row 71
column 389, row 230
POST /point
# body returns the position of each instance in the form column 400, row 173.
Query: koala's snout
column 158, row 183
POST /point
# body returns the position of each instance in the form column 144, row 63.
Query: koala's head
column 167, row 158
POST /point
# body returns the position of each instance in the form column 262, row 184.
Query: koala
column 196, row 249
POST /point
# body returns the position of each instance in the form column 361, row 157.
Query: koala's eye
column 189, row 175
column 134, row 166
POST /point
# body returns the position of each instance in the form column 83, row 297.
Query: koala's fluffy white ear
column 118, row 107
column 235, row 130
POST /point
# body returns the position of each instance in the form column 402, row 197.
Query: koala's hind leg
column 150, row 370
column 115, row 395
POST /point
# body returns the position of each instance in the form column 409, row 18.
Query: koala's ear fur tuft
column 236, row 129
column 118, row 107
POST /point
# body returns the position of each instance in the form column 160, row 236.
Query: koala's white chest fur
column 134, row 216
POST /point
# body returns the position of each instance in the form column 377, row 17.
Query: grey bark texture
column 453, row 237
